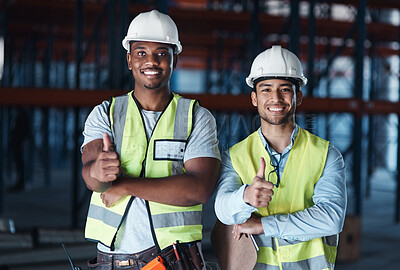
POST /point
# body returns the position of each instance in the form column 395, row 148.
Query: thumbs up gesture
column 107, row 144
column 259, row 193
column 106, row 166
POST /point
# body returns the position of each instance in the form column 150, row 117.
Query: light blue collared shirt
column 324, row 218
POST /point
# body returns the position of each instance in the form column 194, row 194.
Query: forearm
column 91, row 182
column 313, row 222
column 230, row 207
column 99, row 168
column 192, row 188
column 325, row 217
column 178, row 190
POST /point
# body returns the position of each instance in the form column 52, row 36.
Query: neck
column 277, row 136
column 152, row 100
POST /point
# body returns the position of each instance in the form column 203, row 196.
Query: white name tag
column 169, row 150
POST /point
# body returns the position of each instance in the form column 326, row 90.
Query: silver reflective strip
column 119, row 116
column 284, row 242
column 269, row 242
column 263, row 241
column 319, row 262
column 176, row 219
column 181, row 119
column 105, row 215
column 261, row 266
column 180, row 130
column 331, row 240
column 176, row 167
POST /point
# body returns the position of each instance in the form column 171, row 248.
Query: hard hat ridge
column 276, row 57
column 152, row 26
column 276, row 62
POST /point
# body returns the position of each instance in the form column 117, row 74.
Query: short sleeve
column 97, row 123
column 203, row 141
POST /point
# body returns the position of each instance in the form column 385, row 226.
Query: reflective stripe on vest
column 303, row 169
column 137, row 156
column 270, row 242
column 313, row 263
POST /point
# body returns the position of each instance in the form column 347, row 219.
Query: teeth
column 276, row 109
column 150, row 72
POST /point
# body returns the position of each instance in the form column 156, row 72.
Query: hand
column 259, row 193
column 252, row 226
column 114, row 194
column 106, row 167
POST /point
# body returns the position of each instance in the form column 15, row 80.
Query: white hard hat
column 276, row 62
column 153, row 26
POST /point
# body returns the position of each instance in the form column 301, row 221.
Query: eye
column 265, row 89
column 163, row 54
column 140, row 53
column 286, row 89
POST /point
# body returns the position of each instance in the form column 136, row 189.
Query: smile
column 151, row 72
column 276, row 109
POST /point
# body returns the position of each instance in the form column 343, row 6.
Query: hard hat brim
column 302, row 80
column 127, row 40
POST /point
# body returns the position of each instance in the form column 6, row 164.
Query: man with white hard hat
column 151, row 159
column 281, row 185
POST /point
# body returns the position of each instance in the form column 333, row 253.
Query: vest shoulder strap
column 117, row 114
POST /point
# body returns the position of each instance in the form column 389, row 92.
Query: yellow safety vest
column 302, row 171
column 160, row 156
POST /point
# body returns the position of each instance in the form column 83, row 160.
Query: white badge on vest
column 169, row 149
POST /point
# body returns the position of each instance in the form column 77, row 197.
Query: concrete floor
column 42, row 227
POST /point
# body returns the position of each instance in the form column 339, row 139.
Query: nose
column 152, row 59
column 276, row 95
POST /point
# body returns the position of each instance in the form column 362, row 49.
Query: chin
column 152, row 86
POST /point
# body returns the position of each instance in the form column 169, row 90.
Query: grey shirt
column 135, row 234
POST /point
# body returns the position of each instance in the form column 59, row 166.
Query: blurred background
column 58, row 59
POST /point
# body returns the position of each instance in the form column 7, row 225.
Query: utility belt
column 179, row 256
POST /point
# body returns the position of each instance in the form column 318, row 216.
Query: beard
column 152, row 86
column 277, row 120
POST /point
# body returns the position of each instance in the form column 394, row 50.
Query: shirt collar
column 270, row 150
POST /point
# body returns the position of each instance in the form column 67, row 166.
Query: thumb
column 261, row 169
column 106, row 142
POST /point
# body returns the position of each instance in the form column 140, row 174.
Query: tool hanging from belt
column 156, row 264
column 177, row 256
column 185, row 256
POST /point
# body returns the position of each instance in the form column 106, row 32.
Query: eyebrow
column 144, row 48
column 280, row 85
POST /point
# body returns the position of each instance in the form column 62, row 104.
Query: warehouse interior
column 58, row 59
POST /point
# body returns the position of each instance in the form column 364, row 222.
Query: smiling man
column 282, row 184
column 151, row 159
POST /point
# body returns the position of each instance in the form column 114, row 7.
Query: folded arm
column 101, row 168
column 326, row 217
column 194, row 187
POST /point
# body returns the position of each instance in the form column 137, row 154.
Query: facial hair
column 153, row 86
column 284, row 120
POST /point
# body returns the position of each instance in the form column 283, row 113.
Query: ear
column 175, row 59
column 128, row 60
column 299, row 98
column 254, row 98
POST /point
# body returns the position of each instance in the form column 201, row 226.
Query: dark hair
column 294, row 81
